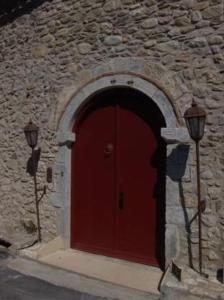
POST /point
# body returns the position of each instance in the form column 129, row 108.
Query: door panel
column 137, row 178
column 93, row 208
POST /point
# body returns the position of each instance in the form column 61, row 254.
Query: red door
column 118, row 179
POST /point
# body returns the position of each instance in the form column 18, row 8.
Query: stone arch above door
column 78, row 96
column 155, row 73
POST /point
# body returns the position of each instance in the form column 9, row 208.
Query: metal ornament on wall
column 31, row 133
column 195, row 120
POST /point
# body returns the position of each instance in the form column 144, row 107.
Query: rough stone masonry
column 45, row 48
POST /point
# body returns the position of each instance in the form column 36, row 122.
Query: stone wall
column 44, row 50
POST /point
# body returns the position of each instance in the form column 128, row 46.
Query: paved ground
column 15, row 286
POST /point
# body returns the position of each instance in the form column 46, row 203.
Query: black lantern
column 31, row 133
column 195, row 121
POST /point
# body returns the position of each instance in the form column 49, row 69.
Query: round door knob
column 109, row 149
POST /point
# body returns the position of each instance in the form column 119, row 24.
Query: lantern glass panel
column 31, row 137
column 201, row 127
column 196, row 127
column 31, row 133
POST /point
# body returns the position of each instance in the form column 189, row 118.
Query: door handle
column 108, row 151
column 121, row 200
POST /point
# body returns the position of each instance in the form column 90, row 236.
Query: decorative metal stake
column 31, row 133
column 199, row 204
column 195, row 121
column 36, row 196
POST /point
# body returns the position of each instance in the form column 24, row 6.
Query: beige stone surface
column 77, row 281
column 138, row 276
column 51, row 247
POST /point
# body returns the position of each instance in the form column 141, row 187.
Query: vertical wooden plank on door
column 93, row 183
column 137, row 216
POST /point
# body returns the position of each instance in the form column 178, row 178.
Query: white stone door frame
column 173, row 134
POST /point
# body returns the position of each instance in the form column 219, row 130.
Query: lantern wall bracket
column 175, row 135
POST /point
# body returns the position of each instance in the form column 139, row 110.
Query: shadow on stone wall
column 158, row 162
column 32, row 163
column 12, row 9
column 176, row 167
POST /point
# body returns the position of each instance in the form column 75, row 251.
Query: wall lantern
column 31, row 134
column 195, row 120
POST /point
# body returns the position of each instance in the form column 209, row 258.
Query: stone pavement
column 16, row 286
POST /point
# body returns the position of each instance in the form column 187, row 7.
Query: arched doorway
column 118, row 177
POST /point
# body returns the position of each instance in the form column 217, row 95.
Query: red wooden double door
column 118, row 178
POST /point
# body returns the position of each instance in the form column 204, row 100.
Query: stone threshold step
column 117, row 271
column 76, row 279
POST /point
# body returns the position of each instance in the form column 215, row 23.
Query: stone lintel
column 175, row 135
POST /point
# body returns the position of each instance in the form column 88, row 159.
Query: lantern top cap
column 194, row 111
column 31, row 126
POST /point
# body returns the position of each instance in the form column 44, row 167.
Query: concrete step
column 117, row 271
column 81, row 282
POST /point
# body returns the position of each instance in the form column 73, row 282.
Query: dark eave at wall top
column 12, row 9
